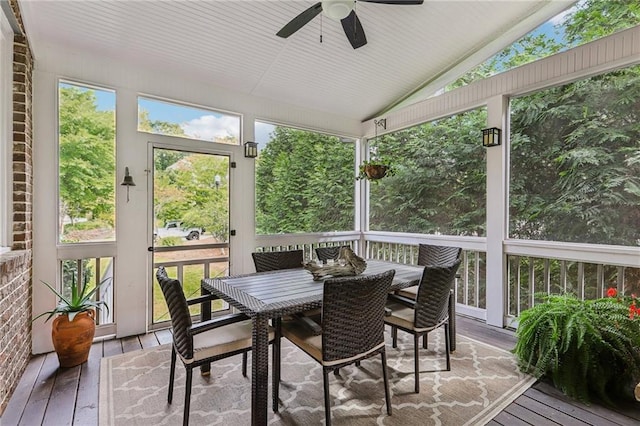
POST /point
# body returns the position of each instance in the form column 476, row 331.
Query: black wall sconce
column 251, row 149
column 491, row 136
column 127, row 181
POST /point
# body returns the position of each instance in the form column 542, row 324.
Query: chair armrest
column 202, row 299
column 216, row 323
column 402, row 300
column 313, row 326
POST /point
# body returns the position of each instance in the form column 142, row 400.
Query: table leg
column 452, row 321
column 259, row 370
column 205, row 315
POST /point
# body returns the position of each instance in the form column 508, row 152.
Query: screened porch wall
column 130, row 80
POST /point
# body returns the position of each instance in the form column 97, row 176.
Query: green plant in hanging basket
column 375, row 169
column 586, row 348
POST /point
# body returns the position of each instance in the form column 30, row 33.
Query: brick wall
column 15, row 320
column 16, row 265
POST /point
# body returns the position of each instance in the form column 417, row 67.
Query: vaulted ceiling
column 412, row 50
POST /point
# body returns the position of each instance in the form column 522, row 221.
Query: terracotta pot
column 375, row 171
column 73, row 340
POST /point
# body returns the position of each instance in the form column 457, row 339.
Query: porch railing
column 537, row 268
column 533, row 268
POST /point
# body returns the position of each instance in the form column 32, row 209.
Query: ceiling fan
column 339, row 10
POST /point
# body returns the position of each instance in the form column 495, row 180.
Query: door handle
column 150, row 248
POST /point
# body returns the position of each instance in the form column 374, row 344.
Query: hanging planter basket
column 374, row 171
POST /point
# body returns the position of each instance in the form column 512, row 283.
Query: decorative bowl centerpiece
column 347, row 264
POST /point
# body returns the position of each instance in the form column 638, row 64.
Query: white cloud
column 211, row 127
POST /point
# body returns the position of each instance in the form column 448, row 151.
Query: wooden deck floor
column 47, row 395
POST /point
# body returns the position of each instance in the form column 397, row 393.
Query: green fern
column 586, row 348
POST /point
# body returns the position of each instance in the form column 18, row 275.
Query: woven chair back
column 432, row 300
column 430, row 255
column 353, row 314
column 178, row 311
column 276, row 260
column 326, row 253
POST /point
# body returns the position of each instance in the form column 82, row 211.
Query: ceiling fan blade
column 353, row 30
column 397, row 2
column 300, row 21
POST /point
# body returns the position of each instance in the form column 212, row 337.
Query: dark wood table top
column 287, row 291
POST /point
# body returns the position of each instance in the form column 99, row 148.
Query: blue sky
column 192, row 120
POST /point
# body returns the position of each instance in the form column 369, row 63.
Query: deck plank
column 63, row 397
column 39, row 399
column 568, row 407
column 148, row 340
column 112, row 347
column 548, row 412
column 532, row 417
column 88, row 393
column 498, row 337
column 597, row 412
column 506, row 419
column 20, row 397
column 131, row 343
column 164, row 336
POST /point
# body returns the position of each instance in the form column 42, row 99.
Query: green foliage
column 87, row 155
column 186, row 190
column 85, row 226
column 170, row 241
column 81, row 300
column 304, row 183
column 586, row 348
column 582, row 137
column 439, row 181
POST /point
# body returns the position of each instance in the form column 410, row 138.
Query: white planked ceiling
column 233, row 44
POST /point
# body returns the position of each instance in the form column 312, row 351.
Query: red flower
column 612, row 292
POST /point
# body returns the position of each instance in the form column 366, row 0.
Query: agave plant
column 81, row 300
column 586, row 348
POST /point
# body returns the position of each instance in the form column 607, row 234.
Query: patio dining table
column 270, row 295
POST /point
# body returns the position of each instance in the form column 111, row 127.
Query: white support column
column 497, row 204
column 361, row 196
column 131, row 293
column 242, row 201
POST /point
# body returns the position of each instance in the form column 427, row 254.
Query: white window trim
column 6, row 140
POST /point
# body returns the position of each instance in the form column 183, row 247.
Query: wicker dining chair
column 426, row 313
column 351, row 329
column 204, row 342
column 327, row 253
column 432, row 255
column 276, row 260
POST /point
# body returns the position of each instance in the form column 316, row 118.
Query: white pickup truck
column 173, row 228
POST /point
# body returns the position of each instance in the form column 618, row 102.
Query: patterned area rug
column 482, row 381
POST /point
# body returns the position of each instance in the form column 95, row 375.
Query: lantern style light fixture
column 251, row 149
column 491, row 136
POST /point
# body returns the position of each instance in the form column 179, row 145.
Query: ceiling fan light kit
column 339, row 10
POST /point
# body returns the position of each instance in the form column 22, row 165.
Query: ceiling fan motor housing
column 337, row 9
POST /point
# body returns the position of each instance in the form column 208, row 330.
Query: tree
column 186, row 190
column 87, row 156
column 305, row 182
column 439, row 184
